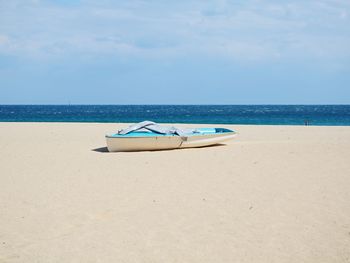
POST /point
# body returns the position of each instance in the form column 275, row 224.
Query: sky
column 174, row 52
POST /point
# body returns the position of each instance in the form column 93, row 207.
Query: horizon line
column 156, row 104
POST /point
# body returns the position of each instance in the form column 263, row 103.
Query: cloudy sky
column 174, row 52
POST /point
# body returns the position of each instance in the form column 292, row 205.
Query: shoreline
column 174, row 124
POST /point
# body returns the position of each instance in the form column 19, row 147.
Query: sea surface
column 215, row 114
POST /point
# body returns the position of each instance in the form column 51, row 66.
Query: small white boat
column 148, row 136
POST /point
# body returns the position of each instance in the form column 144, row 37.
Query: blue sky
column 174, row 52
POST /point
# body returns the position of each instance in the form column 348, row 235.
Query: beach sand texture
column 273, row 194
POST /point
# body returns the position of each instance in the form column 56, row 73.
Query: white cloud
column 246, row 30
column 3, row 40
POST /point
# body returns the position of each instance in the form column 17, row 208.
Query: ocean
column 334, row 115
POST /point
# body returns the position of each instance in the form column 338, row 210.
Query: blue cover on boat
column 152, row 126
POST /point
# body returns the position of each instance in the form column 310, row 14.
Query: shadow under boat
column 105, row 149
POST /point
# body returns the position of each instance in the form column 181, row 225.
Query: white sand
column 275, row 194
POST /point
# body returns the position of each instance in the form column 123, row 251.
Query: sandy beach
column 274, row 194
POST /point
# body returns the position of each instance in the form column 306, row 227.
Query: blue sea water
column 215, row 114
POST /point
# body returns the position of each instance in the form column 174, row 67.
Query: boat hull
column 128, row 144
